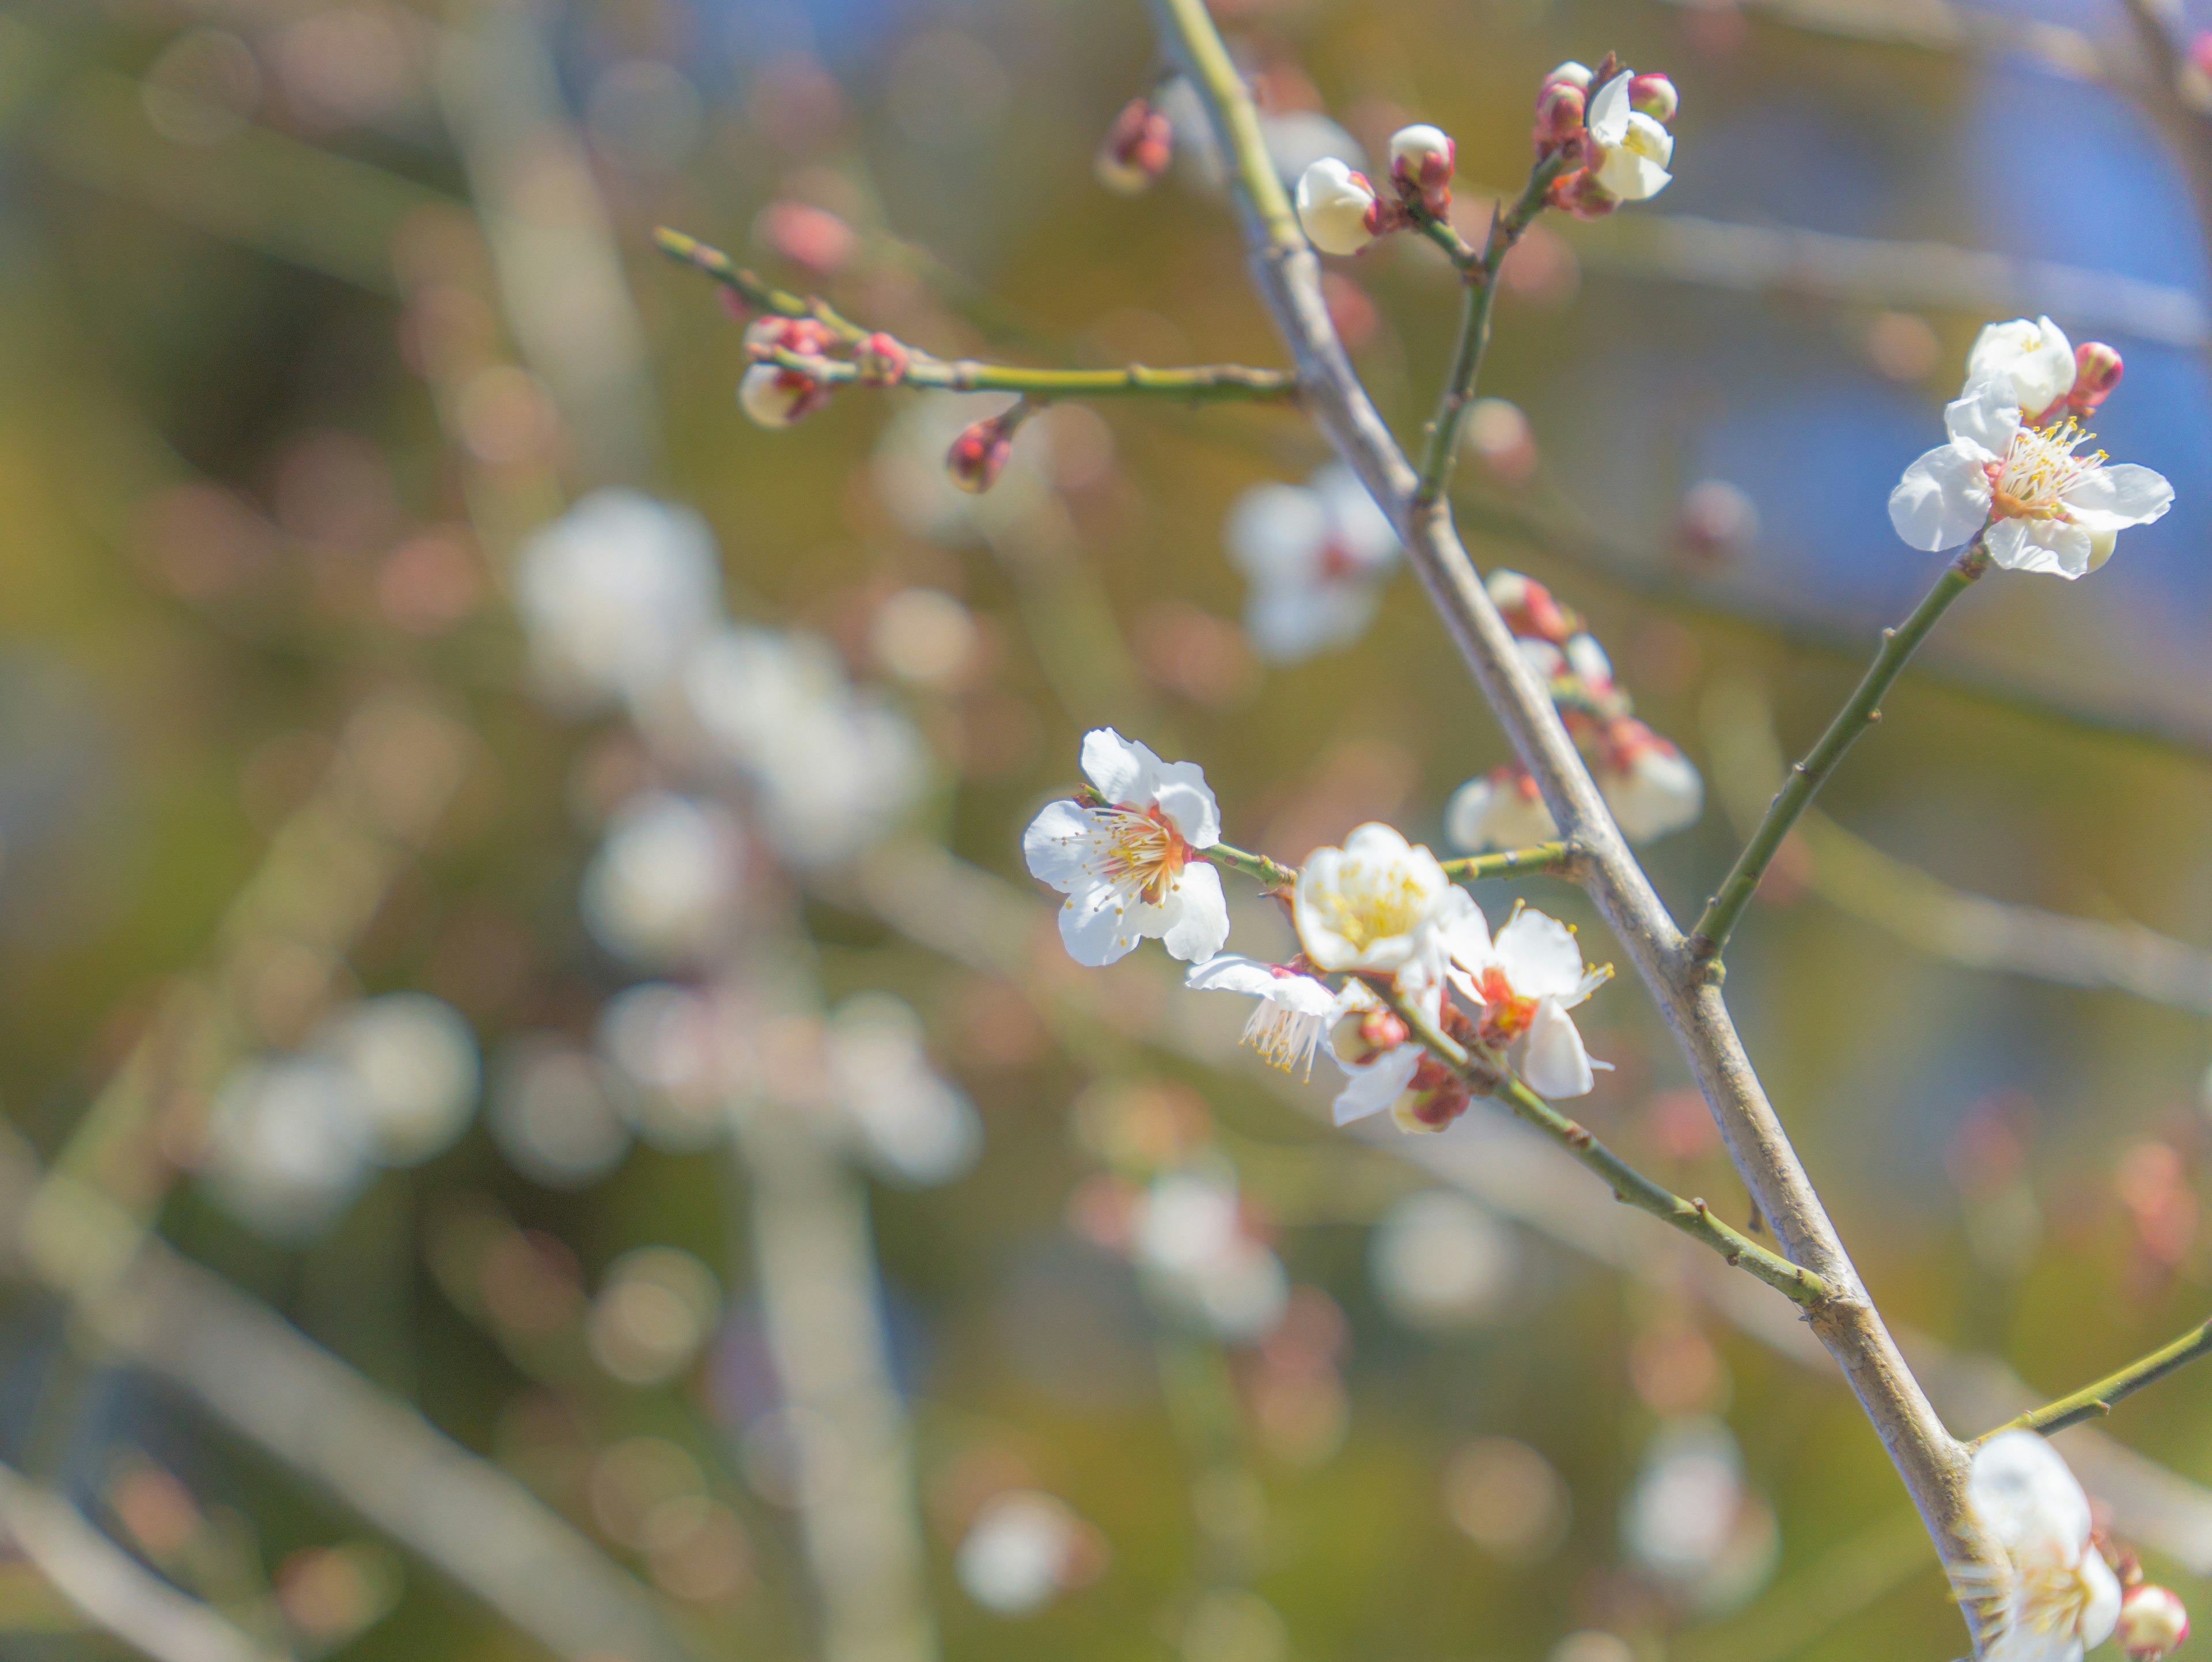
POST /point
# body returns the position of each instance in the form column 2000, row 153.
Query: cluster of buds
column 1435, row 1096
column 787, row 380
column 1650, row 786
column 1137, row 150
column 980, row 455
column 1342, row 212
column 1608, row 126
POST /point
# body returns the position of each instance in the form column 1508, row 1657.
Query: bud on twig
column 1339, row 209
column 1137, row 150
column 979, row 455
column 1654, row 95
column 2152, row 1622
column 2097, row 371
column 1421, row 161
column 881, row 359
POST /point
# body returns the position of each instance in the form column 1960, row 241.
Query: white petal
column 1201, row 915
column 2102, row 1613
column 1288, row 625
column 2045, row 546
column 1183, row 796
column 1358, row 527
column 1376, row 1085
column 1942, row 501
column 1226, row 972
column 1552, row 1059
column 1463, row 930
column 1276, row 533
column 1984, row 421
column 1122, row 770
column 2023, row 1495
column 1333, row 203
column 1059, row 844
column 1539, row 955
column 1098, row 925
column 1607, row 118
column 2120, row 496
column 1630, row 176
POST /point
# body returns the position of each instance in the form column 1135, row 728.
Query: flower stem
column 1806, row 777
column 757, row 292
column 1541, row 859
column 1200, row 381
column 2092, row 1401
column 1268, row 874
column 1485, row 1072
column 1481, row 279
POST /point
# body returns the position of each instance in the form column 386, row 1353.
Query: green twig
column 1542, row 859
column 1188, row 25
column 1485, row 1073
column 756, row 291
column 1269, row 873
column 1806, row 777
column 1481, row 279
column 2094, row 1401
column 1197, row 382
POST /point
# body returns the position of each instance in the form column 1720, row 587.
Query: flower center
column 1505, row 1014
column 1368, row 904
column 2038, row 470
column 1144, row 852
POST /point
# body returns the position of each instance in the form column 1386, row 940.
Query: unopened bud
column 1501, row 440
column 881, row 359
column 1137, row 150
column 2097, row 371
column 1580, row 194
column 979, row 455
column 776, row 397
column 1559, row 113
column 1383, row 1030
column 1337, row 207
column 1569, row 74
column 733, row 304
column 2152, row 1622
column 1654, row 95
column 1421, row 161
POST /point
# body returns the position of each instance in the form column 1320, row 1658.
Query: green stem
column 1201, row 381
column 1544, row 859
column 1199, row 46
column 2094, row 1401
column 1481, row 279
column 1268, row 874
column 1806, row 777
column 1485, row 1072
column 757, row 292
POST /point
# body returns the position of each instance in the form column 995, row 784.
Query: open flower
column 1652, row 787
column 1500, row 809
column 1377, row 1082
column 1316, row 555
column 1526, row 981
column 1338, row 207
column 2044, row 1594
column 2047, row 508
column 1635, row 150
column 2032, row 364
column 1294, row 1011
column 1383, row 906
column 1129, row 866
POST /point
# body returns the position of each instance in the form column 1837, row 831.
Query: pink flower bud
column 1569, row 74
column 979, row 455
column 1580, row 194
column 2152, row 1622
column 1137, row 150
column 2097, row 371
column 1654, row 95
column 1559, row 116
column 1421, row 161
column 881, row 359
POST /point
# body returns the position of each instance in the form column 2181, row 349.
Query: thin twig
column 1862, row 710
column 2094, row 1401
column 1542, row 859
column 1270, row 874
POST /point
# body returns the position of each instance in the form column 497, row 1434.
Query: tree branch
column 2092, row 1401
column 1929, row 1460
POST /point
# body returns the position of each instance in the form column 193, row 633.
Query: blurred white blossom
column 914, row 1125
column 416, row 1072
column 665, row 884
column 1315, row 555
column 289, row 1146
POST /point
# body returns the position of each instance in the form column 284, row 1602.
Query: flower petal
column 1376, row 1085
column 1357, row 527
column 2050, row 547
column 1227, row 972
column 1539, row 956
column 2026, row 1498
column 1942, row 501
column 1276, row 533
column 1097, row 926
column 2102, row 1612
column 1183, row 796
column 1552, row 1059
column 1199, row 914
column 2116, row 497
column 1984, row 420
column 1290, row 624
column 1122, row 770
column 1059, row 844
column 1607, row 118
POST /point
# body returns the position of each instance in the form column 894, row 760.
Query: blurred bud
column 1421, row 159
column 805, row 235
column 1353, row 316
column 1718, row 523
column 1582, row 194
column 1500, row 437
column 1560, row 111
column 1529, row 608
column 774, row 394
column 881, row 359
column 733, row 304
column 1440, row 1262
column 1432, row 1102
column 1507, row 1499
column 1497, row 810
column 1654, row 95
column 1138, row 147
column 1383, row 1030
column 1569, row 74
column 980, row 455
column 2152, row 1622
column 1651, row 788
column 1338, row 208
column 2097, row 371
column 2200, row 51
column 1025, row 1549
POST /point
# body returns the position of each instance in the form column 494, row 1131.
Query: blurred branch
column 1946, row 922
column 2094, row 1400
column 1939, row 26
column 114, row 1591
column 1930, row 1462
column 242, row 1362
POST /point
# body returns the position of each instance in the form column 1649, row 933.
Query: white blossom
column 1019, row 1553
column 289, row 1146
column 1526, row 981
column 1191, row 1238
column 1292, row 1015
column 1501, row 809
column 1636, row 150
column 1652, row 787
column 1383, row 906
column 1335, row 206
column 2047, row 509
column 1315, row 555
column 2044, row 1593
column 1128, row 867
column 2031, row 365
column 666, row 881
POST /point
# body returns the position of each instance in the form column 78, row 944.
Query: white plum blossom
column 2031, row 364
column 1384, row 906
column 1336, row 206
column 2047, row 509
column 1129, row 866
column 1315, row 555
column 1526, row 981
column 1376, row 1083
column 1500, row 809
column 2044, row 1593
column 665, row 882
column 1652, row 787
column 1192, row 1239
column 1293, row 1013
column 1636, row 150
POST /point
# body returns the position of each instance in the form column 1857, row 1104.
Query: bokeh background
column 547, row 1118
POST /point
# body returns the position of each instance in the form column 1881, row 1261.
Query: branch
column 115, row 1592
column 1196, row 382
column 1486, row 1075
column 1543, row 860
column 1929, row 1460
column 2094, row 1401
column 1860, row 711
column 1270, row 874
